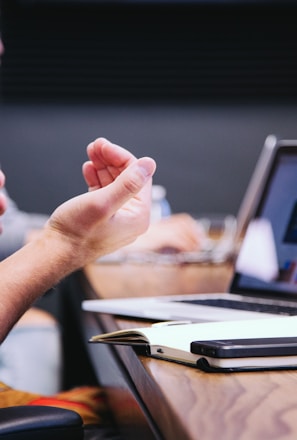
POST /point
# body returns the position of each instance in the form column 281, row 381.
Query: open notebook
column 265, row 279
column 172, row 342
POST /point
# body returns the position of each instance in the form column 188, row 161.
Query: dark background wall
column 197, row 85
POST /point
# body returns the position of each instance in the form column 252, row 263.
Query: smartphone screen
column 237, row 348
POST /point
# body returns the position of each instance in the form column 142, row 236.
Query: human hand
column 177, row 233
column 114, row 211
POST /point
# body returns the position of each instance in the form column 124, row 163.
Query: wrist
column 60, row 249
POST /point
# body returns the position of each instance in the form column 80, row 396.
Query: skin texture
column 114, row 211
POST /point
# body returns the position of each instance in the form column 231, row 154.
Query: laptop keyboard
column 276, row 309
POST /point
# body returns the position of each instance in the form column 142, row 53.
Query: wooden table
column 175, row 401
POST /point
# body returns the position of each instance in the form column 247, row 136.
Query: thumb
column 130, row 182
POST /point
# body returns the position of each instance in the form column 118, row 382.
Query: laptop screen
column 278, row 207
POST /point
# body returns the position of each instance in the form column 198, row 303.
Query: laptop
column 264, row 282
column 256, row 184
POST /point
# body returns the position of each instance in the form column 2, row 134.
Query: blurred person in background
column 112, row 213
column 36, row 337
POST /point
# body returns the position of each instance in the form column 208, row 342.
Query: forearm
column 29, row 273
column 90, row 225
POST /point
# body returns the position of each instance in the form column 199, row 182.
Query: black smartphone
column 245, row 348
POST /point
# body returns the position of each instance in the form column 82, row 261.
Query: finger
column 104, row 153
column 109, row 160
column 95, row 179
column 130, row 182
column 90, row 176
